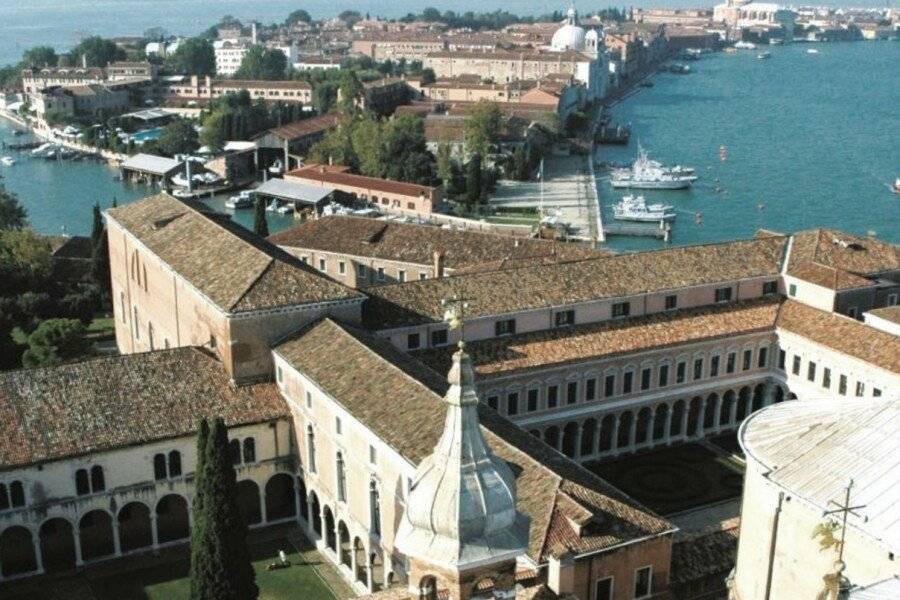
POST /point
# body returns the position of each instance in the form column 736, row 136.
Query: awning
column 294, row 192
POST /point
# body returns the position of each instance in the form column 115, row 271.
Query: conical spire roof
column 462, row 503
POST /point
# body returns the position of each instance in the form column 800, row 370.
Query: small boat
column 242, row 200
column 273, row 206
column 742, row 45
column 635, row 208
column 679, row 69
column 764, row 55
column 276, row 168
column 183, row 193
column 775, row 41
column 285, row 209
column 896, row 187
column 812, row 51
column 7, row 161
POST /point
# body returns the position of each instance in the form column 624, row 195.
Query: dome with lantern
column 570, row 36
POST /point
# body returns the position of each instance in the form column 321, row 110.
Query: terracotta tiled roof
column 703, row 556
column 502, row 55
column 251, row 273
column 888, row 313
column 353, row 368
column 406, row 242
column 109, row 403
column 389, row 186
column 568, row 283
column 503, row 355
column 299, row 129
column 841, row 333
column 838, row 260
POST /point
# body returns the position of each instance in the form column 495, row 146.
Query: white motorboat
column 7, row 161
column 242, row 200
column 273, row 206
column 812, row 51
column 285, row 209
column 896, row 188
column 43, row 149
column 742, row 45
column 635, row 208
column 764, row 55
column 183, row 193
column 276, row 168
column 652, row 175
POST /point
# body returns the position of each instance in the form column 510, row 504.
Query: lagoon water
column 812, row 140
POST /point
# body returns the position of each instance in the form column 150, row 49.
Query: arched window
column 159, row 466
column 137, row 329
column 234, row 451
column 174, row 463
column 123, row 310
column 428, row 588
column 82, row 486
column 311, row 448
column 341, row 479
column 249, row 450
column 98, row 484
column 374, row 509
column 16, row 494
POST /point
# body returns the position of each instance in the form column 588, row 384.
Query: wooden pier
column 661, row 230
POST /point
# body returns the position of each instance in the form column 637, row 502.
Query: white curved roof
column 568, row 37
column 813, row 449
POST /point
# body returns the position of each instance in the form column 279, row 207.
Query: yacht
column 745, row 45
column 635, row 208
column 652, row 175
column 764, row 55
column 242, row 200
column 7, row 161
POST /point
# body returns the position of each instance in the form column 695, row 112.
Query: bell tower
column 461, row 531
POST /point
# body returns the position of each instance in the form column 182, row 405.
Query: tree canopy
column 96, row 52
column 55, row 341
column 12, row 215
column 178, row 137
column 195, row 56
column 263, row 63
column 233, row 117
column 482, row 127
column 298, row 16
column 39, row 56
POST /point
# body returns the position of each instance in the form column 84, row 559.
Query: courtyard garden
column 675, row 479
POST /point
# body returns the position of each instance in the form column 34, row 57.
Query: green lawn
column 170, row 581
column 675, row 479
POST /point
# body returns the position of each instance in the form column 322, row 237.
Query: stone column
column 297, row 501
column 352, row 558
column 632, row 431
column 38, row 558
column 370, row 582
column 79, row 561
column 701, row 421
column 117, row 548
column 684, row 420
column 154, row 530
column 577, row 452
column 768, row 393
column 667, row 434
column 732, row 418
column 262, row 506
column 614, row 446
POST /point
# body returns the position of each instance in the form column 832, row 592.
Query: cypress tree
column 260, row 225
column 220, row 558
column 97, row 226
column 473, row 180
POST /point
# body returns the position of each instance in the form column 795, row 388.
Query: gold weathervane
column 455, row 308
column 836, row 585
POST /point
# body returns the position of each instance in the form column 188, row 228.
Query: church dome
column 462, row 502
column 570, row 36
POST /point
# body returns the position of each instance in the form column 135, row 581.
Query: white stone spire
column 461, row 510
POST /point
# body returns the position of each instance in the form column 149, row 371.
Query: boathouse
column 298, row 195
column 149, row 168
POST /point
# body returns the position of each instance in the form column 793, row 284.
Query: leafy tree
column 55, row 341
column 215, row 131
column 428, row 77
column 195, row 56
column 297, row 16
column 39, row 56
column 10, row 352
column 100, row 272
column 473, row 180
column 431, row 14
column 482, row 127
column 96, row 224
column 178, row 137
column 155, row 34
column 97, row 51
column 350, row 90
column 220, row 559
column 368, row 146
column 350, row 17
column 12, row 214
column 25, row 259
column 262, row 63
column 233, row 117
column 80, row 304
column 260, row 224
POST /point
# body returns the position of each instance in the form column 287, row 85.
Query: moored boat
column 742, row 45
column 652, row 175
column 7, row 161
column 241, row 200
column 635, row 208
column 764, row 55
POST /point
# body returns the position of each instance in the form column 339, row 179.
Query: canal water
column 811, row 139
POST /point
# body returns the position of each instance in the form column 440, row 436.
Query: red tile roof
column 388, row 186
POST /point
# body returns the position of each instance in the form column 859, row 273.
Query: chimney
column 207, row 81
column 84, row 61
column 438, row 263
column 561, row 574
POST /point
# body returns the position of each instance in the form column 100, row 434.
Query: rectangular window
column 860, row 389
column 564, row 318
column 723, row 294
column 671, row 302
column 762, row 358
column 413, row 341
column 770, row 288
column 876, row 393
column 627, row 382
column 645, row 378
column 279, row 374
column 361, row 272
column 714, row 366
column 532, row 400
column 795, row 368
column 505, row 327
column 439, row 337
column 590, row 389
column 308, row 399
column 680, row 372
column 730, row 361
column 552, row 396
column 826, row 377
column 373, row 455
column 609, row 386
column 604, row 589
column 423, row 275
column 401, row 275
column 698, row 368
column 380, row 273
column 811, row 371
column 572, row 392
column 792, row 289
column 342, row 267
column 663, row 375
column 621, row 309
column 643, row 582
column 493, row 401
column 337, row 425
column 322, row 266
column 512, row 403
column 748, row 360
column 842, row 385
column 892, row 299
column 782, row 357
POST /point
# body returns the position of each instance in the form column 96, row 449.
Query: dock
column 661, row 230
